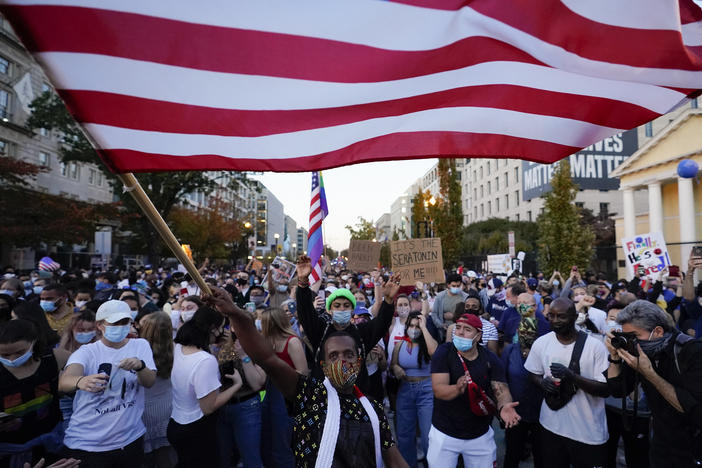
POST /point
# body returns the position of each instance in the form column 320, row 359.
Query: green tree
column 564, row 240
column 166, row 189
column 490, row 237
column 420, row 214
column 363, row 230
column 447, row 215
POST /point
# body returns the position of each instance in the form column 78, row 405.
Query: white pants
column 444, row 450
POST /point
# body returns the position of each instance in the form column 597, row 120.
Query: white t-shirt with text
column 583, row 417
column 193, row 376
column 111, row 419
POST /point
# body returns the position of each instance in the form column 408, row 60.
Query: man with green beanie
column 339, row 310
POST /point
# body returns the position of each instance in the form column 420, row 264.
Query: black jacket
column 673, row 432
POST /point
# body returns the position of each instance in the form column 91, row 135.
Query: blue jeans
column 241, row 423
column 277, row 430
column 415, row 402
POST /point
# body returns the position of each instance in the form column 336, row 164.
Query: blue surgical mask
column 99, row 286
column 462, row 344
column 455, row 291
column 360, row 303
column 341, row 317
column 38, row 289
column 20, row 360
column 134, row 314
column 84, row 337
column 116, row 333
column 556, row 283
column 47, row 306
column 257, row 299
column 7, row 291
column 282, row 288
column 27, row 284
column 509, row 303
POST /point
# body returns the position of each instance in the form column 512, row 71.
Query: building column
column 629, row 213
column 686, row 203
column 655, row 207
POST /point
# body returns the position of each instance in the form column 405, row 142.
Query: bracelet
column 246, row 359
column 78, row 381
column 614, row 361
column 143, row 366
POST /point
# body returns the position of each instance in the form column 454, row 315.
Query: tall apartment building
column 512, row 189
column 383, row 229
column 270, row 221
column 301, row 247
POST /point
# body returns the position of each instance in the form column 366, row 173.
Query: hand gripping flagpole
column 132, row 185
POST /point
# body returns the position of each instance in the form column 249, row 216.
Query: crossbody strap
column 577, row 352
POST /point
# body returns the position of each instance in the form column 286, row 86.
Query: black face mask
column 241, row 282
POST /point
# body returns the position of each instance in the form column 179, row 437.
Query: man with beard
column 669, row 367
column 569, row 367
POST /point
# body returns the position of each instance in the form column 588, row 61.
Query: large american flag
column 305, row 85
column 315, row 239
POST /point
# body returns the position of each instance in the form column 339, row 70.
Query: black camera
column 626, row 341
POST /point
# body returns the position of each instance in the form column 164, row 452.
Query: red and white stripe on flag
column 299, row 86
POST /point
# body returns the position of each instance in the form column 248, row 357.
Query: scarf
column 327, row 445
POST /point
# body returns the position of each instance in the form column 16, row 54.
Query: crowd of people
column 139, row 367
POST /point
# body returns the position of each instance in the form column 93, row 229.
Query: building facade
column 670, row 204
column 383, row 228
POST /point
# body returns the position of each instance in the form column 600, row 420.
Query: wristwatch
column 614, row 361
column 143, row 366
column 246, row 359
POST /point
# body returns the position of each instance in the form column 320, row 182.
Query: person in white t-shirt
column 108, row 376
column 576, row 433
column 192, row 429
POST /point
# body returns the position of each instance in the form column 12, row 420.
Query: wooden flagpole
column 132, row 185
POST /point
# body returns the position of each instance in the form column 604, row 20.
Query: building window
column 506, row 179
column 92, row 176
column 475, row 194
column 488, row 189
column 73, row 171
column 488, row 168
column 693, row 103
column 4, row 148
column 481, row 172
column 516, row 175
column 604, row 209
column 44, row 159
column 497, row 205
column 507, row 202
column 482, row 194
column 580, row 205
column 475, row 212
column 497, row 184
column 482, row 211
column 517, row 216
column 475, row 176
column 64, row 169
column 648, row 128
column 528, row 215
column 45, row 87
column 4, row 105
column 489, row 208
column 4, row 66
column 516, row 198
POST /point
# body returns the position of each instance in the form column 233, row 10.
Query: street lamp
column 276, row 236
column 432, row 202
column 294, row 246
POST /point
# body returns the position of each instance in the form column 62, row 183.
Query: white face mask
column 403, row 311
column 187, row 315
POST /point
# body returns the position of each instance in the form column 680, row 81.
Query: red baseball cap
column 472, row 320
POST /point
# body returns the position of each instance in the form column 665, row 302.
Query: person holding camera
column 569, row 367
column 669, row 367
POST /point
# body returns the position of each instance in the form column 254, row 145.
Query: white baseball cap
column 113, row 311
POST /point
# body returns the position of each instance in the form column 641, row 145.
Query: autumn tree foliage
column 30, row 217
column 212, row 232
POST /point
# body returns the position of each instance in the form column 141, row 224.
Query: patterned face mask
column 342, row 374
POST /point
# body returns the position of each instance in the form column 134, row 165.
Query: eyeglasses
column 472, row 307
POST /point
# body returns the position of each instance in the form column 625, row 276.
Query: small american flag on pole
column 315, row 239
column 279, row 85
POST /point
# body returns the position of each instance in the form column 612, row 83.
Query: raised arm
column 313, row 324
column 284, row 377
column 373, row 331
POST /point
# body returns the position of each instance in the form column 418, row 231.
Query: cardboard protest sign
column 417, row 260
column 500, row 263
column 363, row 255
column 257, row 266
column 281, row 269
column 647, row 251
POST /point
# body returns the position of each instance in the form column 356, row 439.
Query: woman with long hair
column 411, row 364
column 192, row 429
column 156, row 328
column 277, row 425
